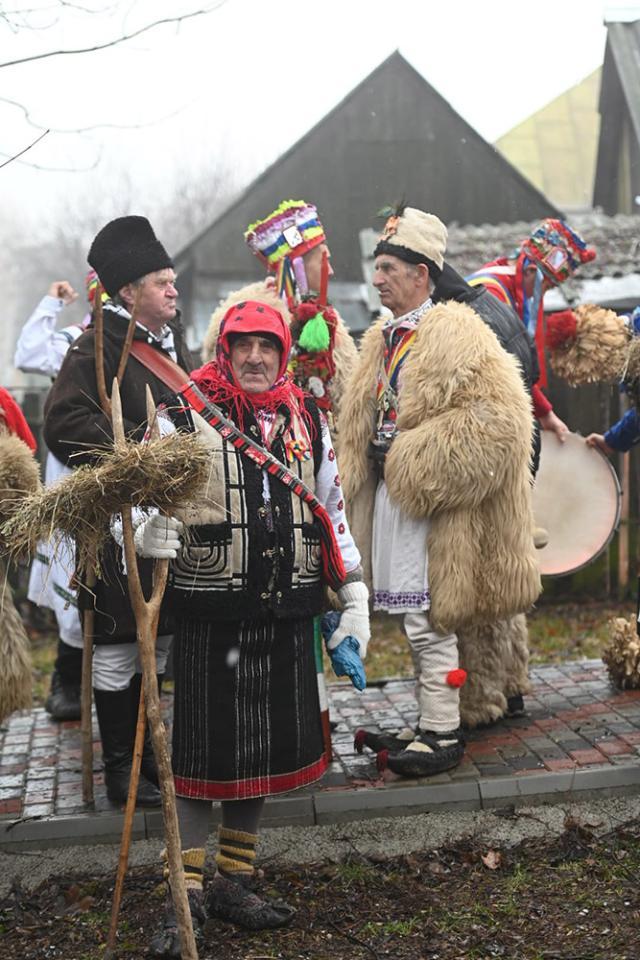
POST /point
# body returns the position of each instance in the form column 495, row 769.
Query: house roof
column 616, row 239
column 618, row 167
column 392, row 136
column 623, row 44
column 556, row 147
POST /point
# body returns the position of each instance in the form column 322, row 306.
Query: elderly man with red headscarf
column 247, row 578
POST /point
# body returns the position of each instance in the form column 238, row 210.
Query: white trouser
column 434, row 655
column 114, row 664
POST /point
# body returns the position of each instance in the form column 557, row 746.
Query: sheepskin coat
column 345, row 352
column 461, row 457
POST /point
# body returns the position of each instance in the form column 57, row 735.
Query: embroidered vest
column 245, row 557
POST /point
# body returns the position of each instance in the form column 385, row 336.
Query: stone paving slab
column 580, row 736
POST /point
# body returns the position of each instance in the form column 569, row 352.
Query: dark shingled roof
column 616, row 239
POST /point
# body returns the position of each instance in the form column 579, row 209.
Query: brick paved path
column 575, row 722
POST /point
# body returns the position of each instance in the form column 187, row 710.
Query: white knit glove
column 354, row 621
column 158, row 537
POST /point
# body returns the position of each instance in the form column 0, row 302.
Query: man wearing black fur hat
column 133, row 267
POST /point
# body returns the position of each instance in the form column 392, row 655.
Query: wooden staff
column 138, row 748
column 88, row 623
column 86, row 722
column 147, row 613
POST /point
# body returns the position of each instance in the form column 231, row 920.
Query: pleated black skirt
column 246, row 709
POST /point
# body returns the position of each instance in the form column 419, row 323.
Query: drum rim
column 614, row 529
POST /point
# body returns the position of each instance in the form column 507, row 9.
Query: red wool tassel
column 457, row 678
column 561, row 329
column 306, row 310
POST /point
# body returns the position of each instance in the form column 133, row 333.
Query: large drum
column 576, row 498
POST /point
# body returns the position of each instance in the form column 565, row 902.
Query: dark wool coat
column 75, row 425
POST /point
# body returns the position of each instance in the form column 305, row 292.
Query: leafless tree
column 35, row 252
column 30, row 18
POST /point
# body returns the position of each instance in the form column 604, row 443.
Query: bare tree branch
column 48, row 169
column 16, row 155
column 97, row 126
column 117, row 40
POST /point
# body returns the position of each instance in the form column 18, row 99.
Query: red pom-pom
column 561, row 328
column 457, row 678
column 306, row 310
column 358, row 740
column 382, row 759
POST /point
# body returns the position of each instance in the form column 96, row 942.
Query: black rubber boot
column 232, row 898
column 430, row 753
column 166, row 940
column 63, row 702
column 114, row 719
column 148, row 767
column 392, row 743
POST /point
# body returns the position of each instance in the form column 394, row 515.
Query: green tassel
column 315, row 335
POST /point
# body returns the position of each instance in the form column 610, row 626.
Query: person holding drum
column 548, row 257
column 620, row 437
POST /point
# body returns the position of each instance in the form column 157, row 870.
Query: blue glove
column 345, row 659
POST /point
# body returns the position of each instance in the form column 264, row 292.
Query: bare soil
column 572, row 898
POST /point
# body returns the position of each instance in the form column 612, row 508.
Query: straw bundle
column 15, row 654
column 19, row 477
column 622, row 656
column 596, row 351
column 19, row 474
column 161, row 473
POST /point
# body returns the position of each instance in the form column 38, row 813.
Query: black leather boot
column 148, row 765
column 63, row 702
column 113, row 708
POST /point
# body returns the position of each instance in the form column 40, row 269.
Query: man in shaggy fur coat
column 436, row 441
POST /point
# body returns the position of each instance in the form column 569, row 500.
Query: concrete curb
column 340, row 806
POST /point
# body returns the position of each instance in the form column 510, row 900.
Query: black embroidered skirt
column 246, row 709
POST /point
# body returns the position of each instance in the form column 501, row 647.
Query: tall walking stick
column 86, row 723
column 88, row 622
column 147, row 613
column 138, row 747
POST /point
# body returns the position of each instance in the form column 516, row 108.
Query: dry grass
column 162, row 473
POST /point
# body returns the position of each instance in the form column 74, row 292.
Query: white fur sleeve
column 329, row 493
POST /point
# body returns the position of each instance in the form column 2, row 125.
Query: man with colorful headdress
column 292, row 244
column 436, row 440
column 548, row 257
column 247, row 586
column 41, row 348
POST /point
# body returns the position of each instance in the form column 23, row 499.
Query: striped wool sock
column 193, row 863
column 236, row 852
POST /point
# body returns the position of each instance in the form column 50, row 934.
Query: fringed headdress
column 282, row 239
